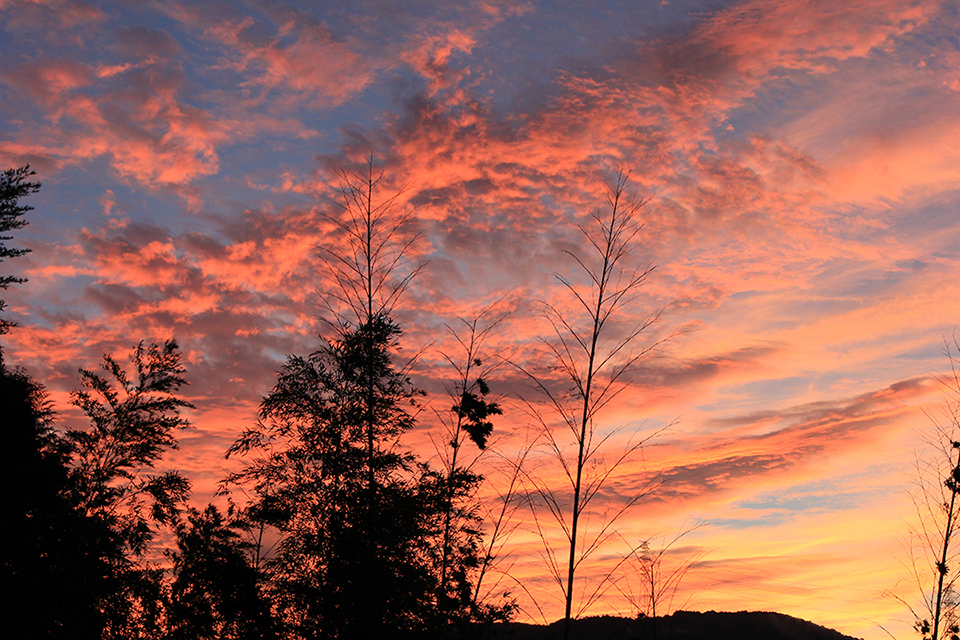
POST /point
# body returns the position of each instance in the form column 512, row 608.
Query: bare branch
column 376, row 265
column 595, row 365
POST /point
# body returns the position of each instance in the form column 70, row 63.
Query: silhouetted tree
column 372, row 542
column 134, row 419
column 353, row 519
column 462, row 556
column 592, row 355
column 77, row 529
column 13, row 186
column 215, row 591
column 653, row 573
column 371, row 264
column 352, row 558
column 56, row 566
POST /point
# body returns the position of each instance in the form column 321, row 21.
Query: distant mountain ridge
column 682, row 625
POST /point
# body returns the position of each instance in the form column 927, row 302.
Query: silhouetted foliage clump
column 85, row 505
column 358, row 519
column 57, row 563
column 215, row 590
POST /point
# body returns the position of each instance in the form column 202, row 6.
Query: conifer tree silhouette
column 13, row 186
column 351, row 561
column 372, row 542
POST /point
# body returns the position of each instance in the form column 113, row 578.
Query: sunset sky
column 802, row 164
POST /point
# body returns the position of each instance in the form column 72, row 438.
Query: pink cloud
column 149, row 135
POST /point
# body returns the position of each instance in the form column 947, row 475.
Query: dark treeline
column 366, row 540
column 369, row 545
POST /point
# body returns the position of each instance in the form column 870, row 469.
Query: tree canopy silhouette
column 372, row 542
column 351, row 561
column 134, row 419
column 57, row 563
column 215, row 590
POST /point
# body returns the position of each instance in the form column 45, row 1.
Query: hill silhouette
column 682, row 625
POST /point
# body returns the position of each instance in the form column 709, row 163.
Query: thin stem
column 952, row 484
